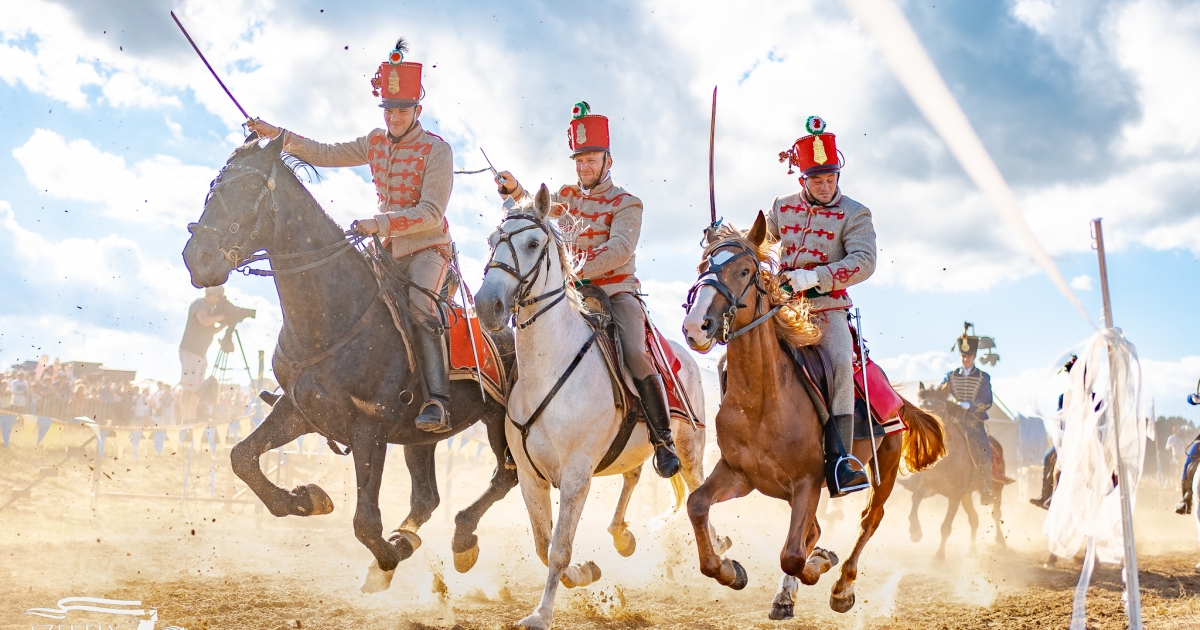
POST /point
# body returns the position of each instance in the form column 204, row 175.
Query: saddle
column 624, row 392
column 816, row 373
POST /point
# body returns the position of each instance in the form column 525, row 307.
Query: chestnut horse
column 767, row 429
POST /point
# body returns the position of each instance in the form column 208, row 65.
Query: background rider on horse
column 609, row 223
column 827, row 244
column 970, row 389
column 413, row 174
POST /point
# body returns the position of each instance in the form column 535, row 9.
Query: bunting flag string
column 6, row 424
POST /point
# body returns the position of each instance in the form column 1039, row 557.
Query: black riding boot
column 431, row 357
column 658, row 420
column 1189, row 471
column 840, row 476
column 1047, row 480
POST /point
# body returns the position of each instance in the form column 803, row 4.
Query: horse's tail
column 679, row 490
column 925, row 439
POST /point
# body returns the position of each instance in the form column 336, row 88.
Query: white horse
column 570, row 421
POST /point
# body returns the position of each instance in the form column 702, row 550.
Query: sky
column 111, row 130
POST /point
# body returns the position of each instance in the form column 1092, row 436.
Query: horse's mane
column 294, row 163
column 792, row 323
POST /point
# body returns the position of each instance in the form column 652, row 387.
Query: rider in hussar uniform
column 971, row 389
column 413, row 174
column 610, row 223
column 827, row 244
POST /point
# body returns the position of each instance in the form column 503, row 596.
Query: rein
column 711, row 278
column 526, row 280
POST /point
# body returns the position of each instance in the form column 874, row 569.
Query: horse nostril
column 707, row 325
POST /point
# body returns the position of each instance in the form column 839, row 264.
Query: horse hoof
column 625, row 542
column 464, row 561
column 832, row 556
column 914, row 535
column 377, row 579
column 313, row 500
column 780, row 612
column 534, row 622
column 580, row 575
column 721, row 545
column 841, row 604
column 740, row 579
column 406, row 542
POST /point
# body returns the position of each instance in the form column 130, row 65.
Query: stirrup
column 429, row 424
column 836, row 489
column 672, row 463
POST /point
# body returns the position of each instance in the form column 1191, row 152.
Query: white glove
column 964, row 405
column 802, row 279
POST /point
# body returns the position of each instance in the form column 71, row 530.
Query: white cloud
column 160, row 190
column 930, row 366
column 1082, row 283
column 110, row 275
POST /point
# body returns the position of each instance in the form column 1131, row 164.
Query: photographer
column 206, row 317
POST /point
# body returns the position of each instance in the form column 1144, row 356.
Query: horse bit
column 711, row 277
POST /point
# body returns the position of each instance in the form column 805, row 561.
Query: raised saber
column 712, row 136
column 207, row 65
column 862, row 362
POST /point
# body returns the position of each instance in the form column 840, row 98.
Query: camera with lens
column 234, row 315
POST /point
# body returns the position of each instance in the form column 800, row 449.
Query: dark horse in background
column 954, row 477
column 343, row 365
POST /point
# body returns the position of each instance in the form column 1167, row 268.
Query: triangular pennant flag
column 43, row 427
column 101, row 438
column 6, row 425
column 210, row 433
column 479, row 451
column 231, row 434
column 135, row 439
column 300, row 444
column 321, row 446
column 185, row 436
column 450, row 444
column 160, row 438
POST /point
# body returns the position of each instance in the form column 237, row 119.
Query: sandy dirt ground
column 213, row 565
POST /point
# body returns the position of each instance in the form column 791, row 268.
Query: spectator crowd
column 57, row 394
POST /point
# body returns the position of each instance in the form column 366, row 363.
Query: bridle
column 526, row 280
column 711, row 277
column 234, row 254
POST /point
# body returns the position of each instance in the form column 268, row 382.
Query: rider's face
column 968, row 361
column 822, row 187
column 399, row 120
column 590, row 167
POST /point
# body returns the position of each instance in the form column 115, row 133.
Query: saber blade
column 490, row 167
column 209, row 66
column 712, row 135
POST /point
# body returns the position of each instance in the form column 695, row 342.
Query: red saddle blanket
column 668, row 365
column 462, row 355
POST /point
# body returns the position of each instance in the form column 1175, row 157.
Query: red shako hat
column 815, row 153
column 588, row 132
column 398, row 81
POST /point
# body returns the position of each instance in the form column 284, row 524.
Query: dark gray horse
column 954, row 477
column 342, row 364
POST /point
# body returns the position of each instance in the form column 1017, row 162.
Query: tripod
column 221, row 363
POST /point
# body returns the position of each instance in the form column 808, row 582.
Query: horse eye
column 532, row 245
column 745, row 272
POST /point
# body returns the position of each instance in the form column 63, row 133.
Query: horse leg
column 723, row 484
column 690, row 447
column 424, row 498
column 968, row 505
column 800, row 556
column 914, row 518
column 369, row 451
column 536, row 493
column 280, row 427
column 947, row 523
column 573, row 490
column 465, row 543
column 841, row 599
column 998, row 518
column 623, row 539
